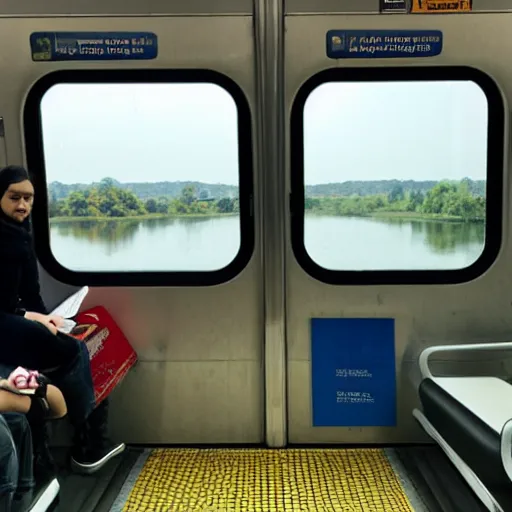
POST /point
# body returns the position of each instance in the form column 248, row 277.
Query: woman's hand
column 56, row 320
column 5, row 384
column 45, row 320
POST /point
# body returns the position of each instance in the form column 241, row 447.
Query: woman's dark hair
column 10, row 175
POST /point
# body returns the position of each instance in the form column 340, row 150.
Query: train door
column 137, row 121
column 395, row 164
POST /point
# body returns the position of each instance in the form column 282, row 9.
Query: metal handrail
column 425, row 354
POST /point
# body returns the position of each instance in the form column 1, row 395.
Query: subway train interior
column 353, row 351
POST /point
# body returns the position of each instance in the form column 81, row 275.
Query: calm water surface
column 343, row 243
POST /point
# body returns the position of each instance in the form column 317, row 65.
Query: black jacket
column 19, row 275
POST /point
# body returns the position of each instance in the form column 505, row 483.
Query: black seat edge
column 471, row 438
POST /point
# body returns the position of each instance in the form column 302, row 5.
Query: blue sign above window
column 353, row 372
column 59, row 46
column 383, row 44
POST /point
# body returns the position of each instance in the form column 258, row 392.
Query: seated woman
column 30, row 337
column 16, row 470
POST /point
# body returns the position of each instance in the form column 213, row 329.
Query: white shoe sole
column 47, row 497
column 88, row 469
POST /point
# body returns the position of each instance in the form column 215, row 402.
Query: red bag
column 110, row 353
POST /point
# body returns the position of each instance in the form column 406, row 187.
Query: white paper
column 69, row 308
column 26, row 391
column 68, row 326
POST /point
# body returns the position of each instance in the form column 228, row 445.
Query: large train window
column 397, row 175
column 142, row 177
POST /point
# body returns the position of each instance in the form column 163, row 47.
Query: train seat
column 470, row 418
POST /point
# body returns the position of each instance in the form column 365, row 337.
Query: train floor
column 398, row 479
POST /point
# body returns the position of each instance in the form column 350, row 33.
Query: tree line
column 144, row 190
column 445, row 199
column 173, row 189
column 379, row 187
column 108, row 200
column 463, row 200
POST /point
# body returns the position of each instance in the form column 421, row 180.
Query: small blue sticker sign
column 383, row 44
column 62, row 46
column 353, row 372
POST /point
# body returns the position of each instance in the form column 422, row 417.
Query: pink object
column 23, row 379
column 32, row 380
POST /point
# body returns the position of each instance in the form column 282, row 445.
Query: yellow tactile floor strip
column 249, row 480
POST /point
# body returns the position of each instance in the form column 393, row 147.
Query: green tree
column 438, row 197
column 105, row 201
column 415, row 201
column 107, row 184
column 310, row 203
column 54, row 205
column 77, row 205
column 225, row 205
column 188, row 195
column 396, row 194
column 162, row 205
column 150, row 205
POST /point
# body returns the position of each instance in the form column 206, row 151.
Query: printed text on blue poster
column 59, row 46
column 353, row 372
column 383, row 44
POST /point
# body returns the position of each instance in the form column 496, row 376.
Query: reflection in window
column 395, row 175
column 142, row 177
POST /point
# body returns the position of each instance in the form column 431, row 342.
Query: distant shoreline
column 432, row 217
column 147, row 216
column 317, row 213
column 446, row 201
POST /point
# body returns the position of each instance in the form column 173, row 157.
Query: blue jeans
column 76, row 385
column 16, row 470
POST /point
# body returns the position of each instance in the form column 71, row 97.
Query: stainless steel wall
column 200, row 375
column 479, row 310
column 232, row 363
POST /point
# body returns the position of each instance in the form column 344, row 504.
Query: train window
column 397, row 175
column 143, row 178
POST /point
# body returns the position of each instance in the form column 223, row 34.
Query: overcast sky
column 181, row 132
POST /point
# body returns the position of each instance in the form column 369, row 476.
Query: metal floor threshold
column 97, row 492
column 437, row 481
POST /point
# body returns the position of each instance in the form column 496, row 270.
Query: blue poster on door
column 353, row 372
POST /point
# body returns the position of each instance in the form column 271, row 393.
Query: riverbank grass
column 147, row 216
column 384, row 215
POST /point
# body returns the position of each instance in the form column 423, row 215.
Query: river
column 339, row 243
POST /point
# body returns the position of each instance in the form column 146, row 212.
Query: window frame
column 34, row 148
column 494, row 182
